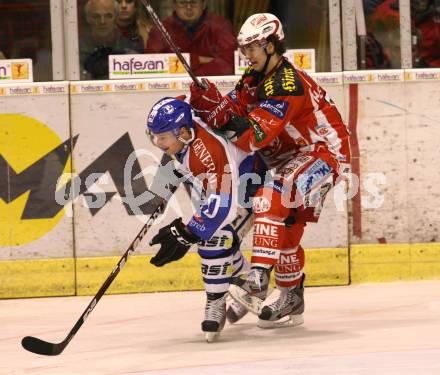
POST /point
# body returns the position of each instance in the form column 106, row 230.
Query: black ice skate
column 252, row 291
column 286, row 311
column 215, row 315
column 235, row 312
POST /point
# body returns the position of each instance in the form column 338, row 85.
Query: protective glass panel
column 109, row 27
column 25, row 32
column 425, row 17
column 201, row 28
column 206, row 29
column 306, row 25
column 382, row 39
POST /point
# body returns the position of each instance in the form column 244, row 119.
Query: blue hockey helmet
column 169, row 114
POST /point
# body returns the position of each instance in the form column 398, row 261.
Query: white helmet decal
column 168, row 109
column 258, row 19
column 259, row 27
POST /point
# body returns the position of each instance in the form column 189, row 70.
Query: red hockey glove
column 210, row 105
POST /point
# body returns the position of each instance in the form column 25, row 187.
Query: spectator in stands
column 426, row 30
column 376, row 59
column 134, row 23
column 2, row 56
column 102, row 39
column 208, row 38
column 371, row 5
column 384, row 25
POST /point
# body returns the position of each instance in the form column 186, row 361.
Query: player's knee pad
column 271, row 238
column 290, row 267
column 267, row 242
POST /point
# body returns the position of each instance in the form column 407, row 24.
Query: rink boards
column 58, row 239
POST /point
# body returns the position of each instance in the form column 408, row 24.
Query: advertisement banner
column 374, row 76
column 422, row 74
column 16, row 70
column 146, row 66
column 301, row 58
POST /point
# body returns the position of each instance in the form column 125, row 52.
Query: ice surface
column 391, row 328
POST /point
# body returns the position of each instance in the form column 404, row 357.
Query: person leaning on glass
column 134, row 23
column 207, row 37
column 101, row 39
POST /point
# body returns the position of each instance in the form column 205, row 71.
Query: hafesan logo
column 27, row 159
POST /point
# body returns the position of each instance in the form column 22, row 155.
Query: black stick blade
column 38, row 346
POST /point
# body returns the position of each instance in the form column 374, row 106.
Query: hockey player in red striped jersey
column 281, row 112
column 213, row 166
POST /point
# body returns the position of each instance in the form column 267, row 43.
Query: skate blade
column 211, row 336
column 287, row 321
column 252, row 303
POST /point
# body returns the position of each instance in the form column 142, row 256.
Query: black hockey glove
column 174, row 241
column 235, row 127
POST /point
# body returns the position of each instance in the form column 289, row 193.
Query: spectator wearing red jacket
column 384, row 26
column 426, row 20
column 208, row 38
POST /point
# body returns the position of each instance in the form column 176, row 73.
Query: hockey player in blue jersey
column 213, row 165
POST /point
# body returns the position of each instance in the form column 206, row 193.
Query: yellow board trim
column 323, row 267
column 37, row 278
column 366, row 263
column 56, row 277
column 394, row 262
column 138, row 275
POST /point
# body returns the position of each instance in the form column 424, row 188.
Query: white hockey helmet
column 259, row 27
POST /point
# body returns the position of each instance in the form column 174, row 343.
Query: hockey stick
column 37, row 346
column 171, row 43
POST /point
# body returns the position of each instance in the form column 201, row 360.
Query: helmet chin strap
column 268, row 56
column 187, row 141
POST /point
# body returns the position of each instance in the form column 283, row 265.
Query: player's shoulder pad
column 284, row 82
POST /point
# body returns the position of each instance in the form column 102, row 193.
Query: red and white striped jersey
column 289, row 113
